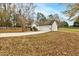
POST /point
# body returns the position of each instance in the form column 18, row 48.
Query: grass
column 69, row 29
column 51, row 43
column 3, row 30
column 12, row 29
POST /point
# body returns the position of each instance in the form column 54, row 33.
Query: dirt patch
column 52, row 43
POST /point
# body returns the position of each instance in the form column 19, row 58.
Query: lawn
column 51, row 43
column 11, row 29
column 71, row 29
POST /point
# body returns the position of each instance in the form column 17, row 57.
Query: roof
column 52, row 21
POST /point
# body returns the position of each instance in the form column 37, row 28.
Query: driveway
column 43, row 29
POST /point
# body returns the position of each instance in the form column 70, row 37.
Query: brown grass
column 52, row 43
column 12, row 29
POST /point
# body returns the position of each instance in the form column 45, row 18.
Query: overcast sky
column 52, row 8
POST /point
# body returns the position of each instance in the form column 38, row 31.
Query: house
column 54, row 25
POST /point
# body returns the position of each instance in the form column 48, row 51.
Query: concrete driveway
column 43, row 29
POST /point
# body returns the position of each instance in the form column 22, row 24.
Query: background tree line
column 43, row 20
column 9, row 12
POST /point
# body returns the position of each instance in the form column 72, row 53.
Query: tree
column 64, row 24
column 56, row 17
column 27, row 10
column 7, row 11
column 72, row 9
column 50, row 17
column 26, row 14
column 41, row 18
column 76, row 22
column 21, row 21
column 4, row 15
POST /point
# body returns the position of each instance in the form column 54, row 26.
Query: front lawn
column 71, row 29
column 52, row 43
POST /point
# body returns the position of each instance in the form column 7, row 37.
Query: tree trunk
column 23, row 28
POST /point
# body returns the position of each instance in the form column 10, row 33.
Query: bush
column 5, row 24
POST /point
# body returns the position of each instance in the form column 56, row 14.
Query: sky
column 53, row 8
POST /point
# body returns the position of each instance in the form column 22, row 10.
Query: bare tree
column 26, row 11
column 9, row 11
column 72, row 9
column 21, row 21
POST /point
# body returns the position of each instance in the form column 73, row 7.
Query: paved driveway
column 43, row 29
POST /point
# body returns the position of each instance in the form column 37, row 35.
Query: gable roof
column 52, row 21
